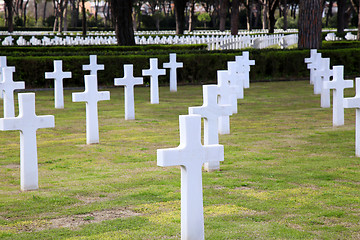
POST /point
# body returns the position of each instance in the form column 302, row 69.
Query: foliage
column 204, row 17
column 292, row 23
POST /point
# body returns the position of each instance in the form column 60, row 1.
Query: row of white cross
column 191, row 155
column 320, row 74
column 28, row 123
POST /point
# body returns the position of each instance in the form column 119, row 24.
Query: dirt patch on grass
column 73, row 222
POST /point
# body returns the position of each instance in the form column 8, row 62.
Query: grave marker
column 322, row 75
column 27, row 123
column 338, row 84
column 154, row 72
column 211, row 111
column 7, row 87
column 91, row 96
column 3, row 63
column 58, row 75
column 313, row 56
column 129, row 81
column 93, row 67
column 236, row 79
column 244, row 63
column 227, row 94
column 354, row 102
column 191, row 155
column 173, row 65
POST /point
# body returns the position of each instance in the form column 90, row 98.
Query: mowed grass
column 287, row 174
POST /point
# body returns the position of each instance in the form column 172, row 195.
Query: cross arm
column 104, row 95
column 169, row 157
column 9, row 124
column 47, row 121
column 79, row 97
column 214, row 153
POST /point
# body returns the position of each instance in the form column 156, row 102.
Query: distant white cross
column 354, row 102
column 93, row 67
column 323, row 74
column 154, row 72
column 91, row 96
column 227, row 94
column 129, row 81
column 236, row 79
column 173, row 65
column 3, row 63
column 244, row 64
column 7, row 87
column 27, row 123
column 211, row 111
column 338, row 84
column 314, row 55
column 191, row 155
column 58, row 75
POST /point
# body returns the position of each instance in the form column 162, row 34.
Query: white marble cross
column 323, row 74
column 236, row 79
column 191, row 155
column 3, row 63
column 354, row 102
column 309, row 61
column 227, row 93
column 154, row 72
column 338, row 84
column 27, row 123
column 7, row 87
column 93, row 67
column 211, row 111
column 244, row 64
column 173, row 65
column 58, row 75
column 129, row 81
column 91, row 96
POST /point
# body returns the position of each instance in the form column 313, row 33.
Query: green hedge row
column 199, row 67
column 99, row 50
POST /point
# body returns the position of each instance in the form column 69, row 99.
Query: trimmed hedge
column 199, row 67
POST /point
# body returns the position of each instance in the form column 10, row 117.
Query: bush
column 292, row 23
column 200, row 66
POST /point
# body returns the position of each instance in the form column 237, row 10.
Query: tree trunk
column 44, row 12
column 329, row 13
column 25, row 8
column 121, row 12
column 83, row 17
column 310, row 24
column 10, row 15
column 36, row 11
column 264, row 16
column 224, row 4
column 249, row 14
column 191, row 15
column 235, row 17
column 358, row 32
column 285, row 15
column 341, row 16
column 272, row 4
column 179, row 15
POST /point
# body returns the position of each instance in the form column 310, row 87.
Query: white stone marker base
column 211, row 111
column 154, row 74
column 338, row 84
column 354, row 102
column 191, row 155
column 27, row 122
column 7, row 87
column 91, row 96
column 129, row 81
column 93, row 67
column 173, row 65
column 58, row 75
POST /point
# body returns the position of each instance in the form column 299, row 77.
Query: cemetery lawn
column 287, row 174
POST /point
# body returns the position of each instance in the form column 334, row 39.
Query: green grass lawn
column 287, row 174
